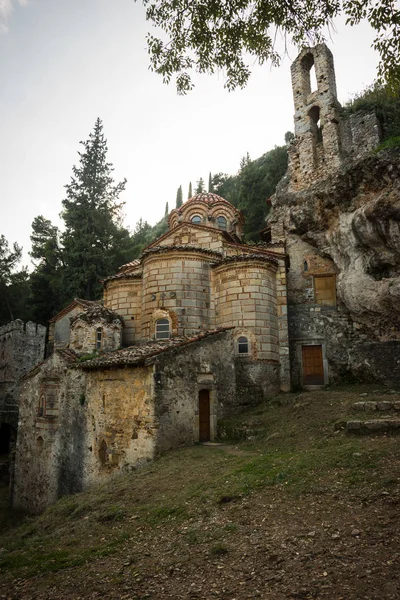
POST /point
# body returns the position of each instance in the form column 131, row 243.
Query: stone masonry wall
column 21, row 348
column 51, row 443
column 246, row 297
column 179, row 284
column 124, row 296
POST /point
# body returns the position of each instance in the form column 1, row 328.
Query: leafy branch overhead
column 209, row 35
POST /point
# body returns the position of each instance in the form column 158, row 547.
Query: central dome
column 207, row 209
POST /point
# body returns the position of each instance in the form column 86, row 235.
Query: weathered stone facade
column 324, row 138
column 21, row 347
column 204, row 329
column 337, row 211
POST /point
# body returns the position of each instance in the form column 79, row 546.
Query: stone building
column 194, row 331
column 204, row 325
column 21, row 348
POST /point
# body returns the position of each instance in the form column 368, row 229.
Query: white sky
column 64, row 63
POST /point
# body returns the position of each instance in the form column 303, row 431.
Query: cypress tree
column 179, row 197
column 210, row 183
column 200, row 186
column 92, row 236
column 190, row 194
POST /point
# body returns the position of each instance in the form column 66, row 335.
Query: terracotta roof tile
column 138, row 354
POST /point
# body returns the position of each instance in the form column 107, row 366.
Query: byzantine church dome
column 208, row 210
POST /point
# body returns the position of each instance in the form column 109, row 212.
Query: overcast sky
column 65, row 63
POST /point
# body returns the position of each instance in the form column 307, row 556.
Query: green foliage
column 209, row 36
column 14, row 285
column 92, row 220
column 179, row 197
column 250, row 189
column 393, row 142
column 385, row 104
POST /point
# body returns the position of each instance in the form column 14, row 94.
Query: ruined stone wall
column 124, row 296
column 123, row 429
column 21, row 348
column 84, row 336
column 51, row 442
column 325, row 137
column 176, row 285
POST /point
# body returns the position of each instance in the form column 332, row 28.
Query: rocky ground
column 290, row 507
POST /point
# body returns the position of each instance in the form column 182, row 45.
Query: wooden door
column 313, row 365
column 204, row 416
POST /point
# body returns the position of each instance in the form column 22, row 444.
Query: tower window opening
column 315, row 123
column 309, row 76
column 162, row 329
column 196, row 219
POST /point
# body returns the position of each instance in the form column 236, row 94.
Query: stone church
column 204, row 325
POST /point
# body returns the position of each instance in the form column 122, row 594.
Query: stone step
column 374, row 426
column 377, row 405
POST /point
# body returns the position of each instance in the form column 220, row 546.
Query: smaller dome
column 208, row 197
column 207, row 209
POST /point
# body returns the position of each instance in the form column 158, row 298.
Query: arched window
column 305, row 265
column 42, row 405
column 99, row 336
column 243, row 345
column 196, row 219
column 162, row 329
column 221, row 222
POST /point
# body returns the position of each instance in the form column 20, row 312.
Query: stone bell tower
column 317, row 147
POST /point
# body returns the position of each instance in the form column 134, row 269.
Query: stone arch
column 251, row 342
column 309, row 83
column 163, row 313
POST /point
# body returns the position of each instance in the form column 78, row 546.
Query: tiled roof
column 208, row 198
column 130, row 265
column 77, row 302
column 95, row 313
column 246, row 257
column 138, row 354
column 181, row 247
column 123, row 275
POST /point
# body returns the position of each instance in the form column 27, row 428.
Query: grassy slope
column 299, row 510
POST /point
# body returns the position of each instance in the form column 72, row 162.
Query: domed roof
column 208, row 197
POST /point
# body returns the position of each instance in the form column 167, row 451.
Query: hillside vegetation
column 288, row 506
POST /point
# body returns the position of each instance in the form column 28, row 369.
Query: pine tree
column 200, row 188
column 92, row 219
column 210, row 184
column 190, row 194
column 166, row 210
column 179, row 197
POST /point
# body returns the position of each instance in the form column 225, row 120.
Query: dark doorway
column 313, row 365
column 204, row 416
column 5, row 438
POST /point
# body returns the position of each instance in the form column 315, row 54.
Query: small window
column 243, row 345
column 196, row 219
column 162, row 329
column 42, row 406
column 221, row 222
column 99, row 336
column 305, row 265
column 325, row 290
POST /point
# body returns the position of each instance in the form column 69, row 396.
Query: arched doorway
column 204, row 416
